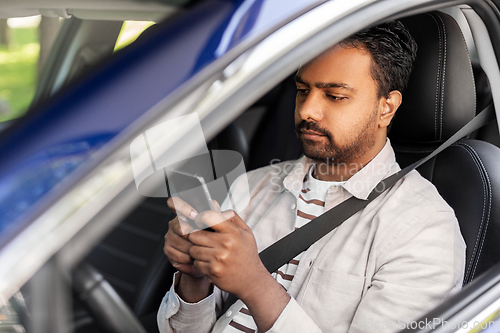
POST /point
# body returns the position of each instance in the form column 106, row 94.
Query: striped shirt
column 310, row 205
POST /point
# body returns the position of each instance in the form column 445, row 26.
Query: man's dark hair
column 393, row 52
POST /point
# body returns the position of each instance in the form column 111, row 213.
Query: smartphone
column 192, row 189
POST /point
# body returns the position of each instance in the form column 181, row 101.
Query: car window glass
column 24, row 44
column 10, row 318
column 130, row 31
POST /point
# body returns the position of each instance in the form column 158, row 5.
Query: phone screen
column 191, row 189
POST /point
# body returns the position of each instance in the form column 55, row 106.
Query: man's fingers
column 204, row 268
column 170, row 204
column 220, row 222
column 202, row 253
column 183, row 211
column 180, row 207
column 176, row 246
column 203, row 238
column 185, row 227
column 177, row 241
column 189, row 270
column 216, row 205
column 232, row 216
column 180, row 259
column 180, row 226
column 177, row 257
column 208, row 218
column 229, row 214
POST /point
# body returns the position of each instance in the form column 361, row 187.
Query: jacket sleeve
column 294, row 319
column 175, row 315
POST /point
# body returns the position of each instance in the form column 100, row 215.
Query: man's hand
column 228, row 256
column 230, row 259
column 193, row 286
column 177, row 245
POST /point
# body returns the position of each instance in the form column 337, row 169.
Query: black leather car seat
column 439, row 100
column 275, row 138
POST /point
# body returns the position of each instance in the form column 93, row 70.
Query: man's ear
column 389, row 107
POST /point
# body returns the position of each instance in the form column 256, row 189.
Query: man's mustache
column 311, row 126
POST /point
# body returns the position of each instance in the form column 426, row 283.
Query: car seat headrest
column 440, row 97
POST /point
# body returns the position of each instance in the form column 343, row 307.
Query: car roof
column 92, row 9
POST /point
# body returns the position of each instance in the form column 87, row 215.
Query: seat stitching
column 489, row 207
column 443, row 77
column 469, row 266
column 436, row 103
column 471, row 72
column 478, row 237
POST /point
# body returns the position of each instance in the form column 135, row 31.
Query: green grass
column 18, row 71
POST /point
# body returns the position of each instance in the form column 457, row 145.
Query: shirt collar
column 359, row 185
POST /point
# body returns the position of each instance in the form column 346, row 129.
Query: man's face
column 337, row 108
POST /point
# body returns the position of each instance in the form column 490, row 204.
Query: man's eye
column 303, row 91
column 336, row 98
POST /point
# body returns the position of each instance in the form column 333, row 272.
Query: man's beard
column 330, row 153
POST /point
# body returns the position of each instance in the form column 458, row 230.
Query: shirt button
column 229, row 313
column 310, row 263
column 293, row 206
column 174, row 306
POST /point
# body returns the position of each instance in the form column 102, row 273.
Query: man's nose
column 311, row 108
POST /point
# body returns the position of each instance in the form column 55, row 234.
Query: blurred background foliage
column 19, row 54
column 24, row 46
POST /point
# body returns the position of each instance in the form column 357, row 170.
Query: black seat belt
column 288, row 247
